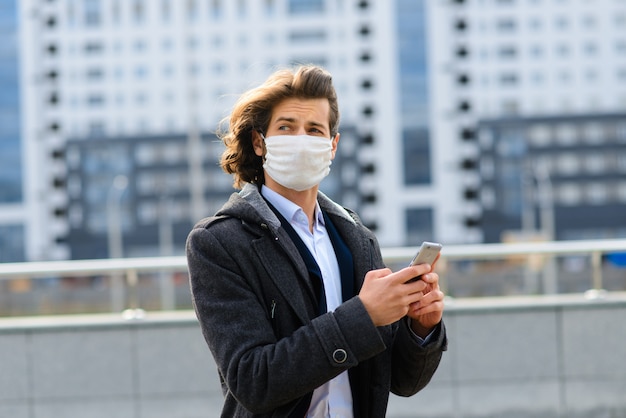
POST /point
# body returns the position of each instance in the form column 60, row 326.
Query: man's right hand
column 387, row 296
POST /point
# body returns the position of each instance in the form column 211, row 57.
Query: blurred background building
column 12, row 220
column 529, row 102
column 462, row 121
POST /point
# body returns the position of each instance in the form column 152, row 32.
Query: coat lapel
column 297, row 291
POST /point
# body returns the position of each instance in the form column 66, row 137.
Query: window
column 487, row 168
column 94, row 74
column 138, row 11
column 216, row 8
column 305, row 6
column 95, row 100
column 593, row 133
column 141, row 72
column 569, row 194
column 536, row 51
column 507, row 52
column 590, row 49
column 166, row 10
column 115, row 11
column 589, row 22
column 506, row 25
column 537, row 78
column 568, row 164
column 96, row 129
column 309, row 36
column 566, row 134
column 510, row 107
column 93, row 48
column 561, row 22
column 595, row 163
column 597, row 193
column 416, row 155
column 539, row 135
column 508, row 79
column 270, row 7
column 140, row 45
column 241, row 8
column 535, row 23
column 192, row 10
column 620, row 132
column 621, row 192
column 91, row 10
column 562, row 50
column 419, row 225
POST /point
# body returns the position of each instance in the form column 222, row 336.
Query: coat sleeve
column 261, row 371
column 414, row 365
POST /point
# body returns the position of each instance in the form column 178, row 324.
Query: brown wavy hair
column 253, row 111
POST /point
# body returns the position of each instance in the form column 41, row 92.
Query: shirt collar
column 289, row 209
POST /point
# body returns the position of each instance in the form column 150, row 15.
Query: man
column 290, row 289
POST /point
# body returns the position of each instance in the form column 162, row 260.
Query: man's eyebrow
column 285, row 119
column 292, row 120
column 317, row 124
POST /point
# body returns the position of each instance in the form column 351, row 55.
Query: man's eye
column 283, row 128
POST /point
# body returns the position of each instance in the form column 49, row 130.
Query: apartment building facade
column 113, row 71
column 418, row 81
column 521, row 77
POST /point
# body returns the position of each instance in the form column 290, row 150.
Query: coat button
column 340, row 355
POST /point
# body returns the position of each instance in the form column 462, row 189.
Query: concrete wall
column 547, row 357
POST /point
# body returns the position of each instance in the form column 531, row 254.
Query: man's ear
column 335, row 141
column 258, row 144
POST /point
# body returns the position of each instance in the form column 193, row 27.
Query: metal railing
column 533, row 258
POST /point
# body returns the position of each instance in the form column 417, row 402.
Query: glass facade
column 564, row 167
column 413, row 87
column 12, row 244
column 10, row 158
column 419, row 223
column 300, row 7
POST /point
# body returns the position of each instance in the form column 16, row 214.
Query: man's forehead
column 315, row 111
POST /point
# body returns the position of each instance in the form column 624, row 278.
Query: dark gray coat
column 253, row 298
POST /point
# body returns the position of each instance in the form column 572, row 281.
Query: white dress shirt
column 334, row 398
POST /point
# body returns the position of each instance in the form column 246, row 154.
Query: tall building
column 12, row 219
column 114, row 71
column 420, row 82
column 529, row 99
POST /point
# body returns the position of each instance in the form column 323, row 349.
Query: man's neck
column 306, row 199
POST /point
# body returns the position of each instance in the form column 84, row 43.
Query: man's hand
column 388, row 296
column 428, row 311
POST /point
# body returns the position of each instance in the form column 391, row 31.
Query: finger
column 430, row 298
column 408, row 273
column 417, row 286
column 377, row 274
column 432, row 279
column 435, row 307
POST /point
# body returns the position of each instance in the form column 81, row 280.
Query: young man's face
column 296, row 116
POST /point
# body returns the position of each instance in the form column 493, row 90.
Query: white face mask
column 297, row 162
